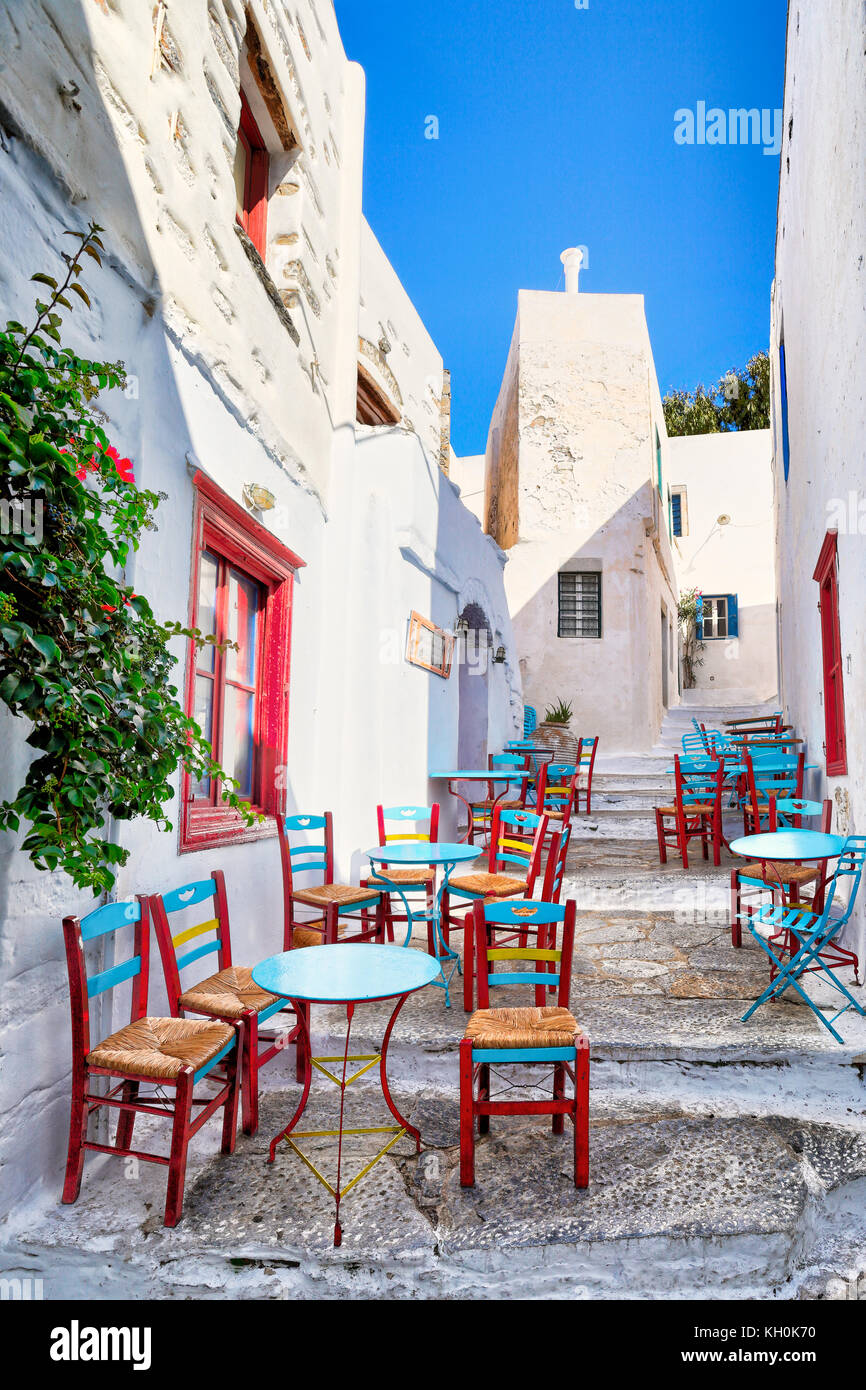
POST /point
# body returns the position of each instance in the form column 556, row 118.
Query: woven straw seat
column 230, row 993
column 313, row 934
column 527, row 1027
column 161, row 1047
column 693, row 809
column 498, row 885
column 788, row 873
column 410, row 876
column 335, row 893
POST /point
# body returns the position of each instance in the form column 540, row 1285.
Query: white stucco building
column 577, row 474
column 270, row 345
column 818, row 348
column 721, row 520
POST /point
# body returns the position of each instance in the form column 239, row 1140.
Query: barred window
column 579, row 604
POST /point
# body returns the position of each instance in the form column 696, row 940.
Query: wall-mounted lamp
column 499, row 658
column 461, row 627
column 258, row 498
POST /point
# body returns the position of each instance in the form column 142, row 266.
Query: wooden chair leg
column 558, row 1094
column 77, row 1135
column 234, row 1070
column 126, row 1118
column 660, row 832
column 179, row 1145
column 467, row 1126
column 484, row 1094
column 249, row 1064
column 581, row 1112
column 468, row 964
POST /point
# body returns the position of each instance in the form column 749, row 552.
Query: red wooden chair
column 773, row 776
column 169, row 1054
column 586, row 751
column 550, row 893
column 308, row 857
column 230, row 992
column 509, row 844
column 541, row 1035
column 505, row 762
column 696, row 812
column 556, row 793
column 417, row 878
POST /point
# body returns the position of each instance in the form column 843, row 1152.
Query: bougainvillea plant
column 82, row 657
column 687, row 610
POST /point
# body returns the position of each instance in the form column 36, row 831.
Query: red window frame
column 827, row 576
column 253, row 216
column 222, row 527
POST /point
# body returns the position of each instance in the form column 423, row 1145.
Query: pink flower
column 122, row 466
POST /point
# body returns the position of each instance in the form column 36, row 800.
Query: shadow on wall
column 126, row 322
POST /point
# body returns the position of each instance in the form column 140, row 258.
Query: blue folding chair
column 798, row 944
column 849, row 866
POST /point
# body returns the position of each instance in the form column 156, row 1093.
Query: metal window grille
column 580, row 604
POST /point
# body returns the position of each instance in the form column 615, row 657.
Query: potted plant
column 554, row 732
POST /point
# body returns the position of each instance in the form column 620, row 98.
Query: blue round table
column 791, row 846
column 345, row 973
column 408, row 853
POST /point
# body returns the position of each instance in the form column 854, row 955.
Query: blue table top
column 346, row 972
column 498, row 775
column 423, row 852
column 789, row 844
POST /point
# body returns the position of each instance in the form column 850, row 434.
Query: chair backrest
column 557, row 789
column 695, row 746
column 507, row 848
column 699, row 780
column 174, row 949
column 587, row 747
column 394, row 822
column 513, row 762
column 782, row 776
column 309, row 855
column 542, row 919
column 788, row 811
column 554, row 871
column 83, row 987
column 530, row 720
column 850, row 866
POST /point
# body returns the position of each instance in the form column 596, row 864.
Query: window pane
column 237, row 751
column 242, row 622
column 205, row 618
column 203, row 715
column 579, row 604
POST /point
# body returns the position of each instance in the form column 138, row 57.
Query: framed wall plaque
column 429, row 646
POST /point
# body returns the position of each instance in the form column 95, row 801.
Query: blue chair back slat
column 520, row 820
column 523, row 977
column 305, row 822
column 115, row 975
column 530, row 720
column 526, row 912
column 197, row 953
column 412, row 815
column 506, row 858
column 109, row 918
column 189, row 895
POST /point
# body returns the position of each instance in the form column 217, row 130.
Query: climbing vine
column 82, row 657
column 688, row 617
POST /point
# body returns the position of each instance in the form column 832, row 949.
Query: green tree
column 740, row 400
column 82, row 658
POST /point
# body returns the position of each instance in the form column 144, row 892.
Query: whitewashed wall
column 819, row 302
column 252, row 391
column 730, row 475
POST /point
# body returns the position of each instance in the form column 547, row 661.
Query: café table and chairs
column 476, row 777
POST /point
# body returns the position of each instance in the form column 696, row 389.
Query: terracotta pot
column 558, row 740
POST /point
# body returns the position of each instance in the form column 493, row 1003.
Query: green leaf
column 45, row 280
column 82, row 293
column 46, row 645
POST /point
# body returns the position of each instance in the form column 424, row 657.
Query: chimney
column 572, row 260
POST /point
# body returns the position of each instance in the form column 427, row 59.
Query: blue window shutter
column 677, row 514
column 733, row 616
column 699, row 620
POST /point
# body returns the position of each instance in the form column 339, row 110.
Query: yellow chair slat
column 521, row 952
column 389, row 839
column 212, row 925
column 520, row 845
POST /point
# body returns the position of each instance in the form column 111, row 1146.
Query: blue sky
column 556, row 128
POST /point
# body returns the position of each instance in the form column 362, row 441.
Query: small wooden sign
column 429, row 646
